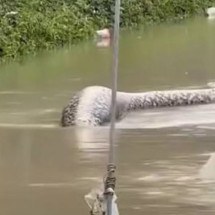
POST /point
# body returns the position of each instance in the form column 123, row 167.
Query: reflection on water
column 170, row 117
column 165, row 156
column 45, row 168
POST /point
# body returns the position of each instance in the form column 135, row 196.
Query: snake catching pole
column 102, row 202
column 110, row 180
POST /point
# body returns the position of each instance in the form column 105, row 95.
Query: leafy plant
column 28, row 26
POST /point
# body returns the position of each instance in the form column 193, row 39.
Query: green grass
column 49, row 24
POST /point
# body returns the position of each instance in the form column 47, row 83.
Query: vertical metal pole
column 113, row 101
column 114, row 81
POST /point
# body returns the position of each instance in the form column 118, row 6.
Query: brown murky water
column 47, row 170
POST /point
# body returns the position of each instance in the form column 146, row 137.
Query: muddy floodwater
column 161, row 153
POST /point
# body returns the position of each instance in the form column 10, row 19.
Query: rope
column 111, row 179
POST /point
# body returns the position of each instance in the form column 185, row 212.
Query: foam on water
column 27, row 125
column 207, row 172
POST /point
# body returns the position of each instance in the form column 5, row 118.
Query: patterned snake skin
column 92, row 105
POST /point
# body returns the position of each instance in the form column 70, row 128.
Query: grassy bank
column 28, row 26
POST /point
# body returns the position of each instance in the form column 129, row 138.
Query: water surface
column 47, row 170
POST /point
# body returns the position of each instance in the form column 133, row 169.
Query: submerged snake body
column 92, row 105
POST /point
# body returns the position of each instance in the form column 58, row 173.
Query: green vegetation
column 28, row 26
